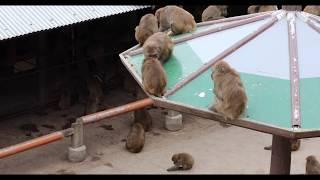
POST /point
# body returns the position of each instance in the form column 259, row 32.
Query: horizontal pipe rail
column 56, row 136
column 116, row 111
column 42, row 140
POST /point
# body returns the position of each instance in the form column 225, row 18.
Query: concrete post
column 173, row 121
column 77, row 151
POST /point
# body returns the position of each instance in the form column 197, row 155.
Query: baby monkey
column 176, row 19
column 261, row 8
column 135, row 138
column 154, row 77
column 158, row 45
column 148, row 25
column 230, row 95
column 214, row 13
column 295, row 145
column 312, row 165
column 181, row 161
column 312, row 9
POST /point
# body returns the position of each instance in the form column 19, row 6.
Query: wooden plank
column 280, row 155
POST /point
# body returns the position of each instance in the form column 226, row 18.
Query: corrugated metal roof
column 21, row 20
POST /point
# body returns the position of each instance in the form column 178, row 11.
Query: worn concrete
column 216, row 150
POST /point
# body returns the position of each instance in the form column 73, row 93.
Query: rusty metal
column 310, row 20
column 223, row 54
column 210, row 31
column 39, row 141
column 294, row 71
column 116, row 111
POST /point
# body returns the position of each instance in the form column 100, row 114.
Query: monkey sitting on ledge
column 230, row 95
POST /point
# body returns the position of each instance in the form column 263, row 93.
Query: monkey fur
column 154, row 78
column 136, row 138
column 214, row 13
column 261, row 8
column 231, row 98
column 295, row 145
column 159, row 45
column 181, row 161
column 148, row 25
column 176, row 19
column 312, row 165
column 96, row 94
column 143, row 117
column 312, row 9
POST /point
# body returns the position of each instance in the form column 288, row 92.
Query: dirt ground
column 216, row 150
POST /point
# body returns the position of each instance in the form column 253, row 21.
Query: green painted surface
column 309, row 102
column 182, row 54
column 268, row 98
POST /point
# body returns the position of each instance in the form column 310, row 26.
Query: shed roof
column 20, row 20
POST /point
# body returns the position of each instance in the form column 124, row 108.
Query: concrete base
column 77, row 154
column 173, row 121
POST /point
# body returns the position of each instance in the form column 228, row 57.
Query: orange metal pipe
column 116, row 111
column 31, row 144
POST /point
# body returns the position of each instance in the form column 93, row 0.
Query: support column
column 77, row 151
column 173, row 121
column 280, row 156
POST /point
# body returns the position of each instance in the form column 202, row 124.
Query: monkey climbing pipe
column 76, row 130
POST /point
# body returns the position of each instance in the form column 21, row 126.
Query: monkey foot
column 268, row 147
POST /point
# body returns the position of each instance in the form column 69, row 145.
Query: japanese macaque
column 312, row 9
column 143, row 117
column 312, row 165
column 154, row 78
column 295, row 145
column 230, row 94
column 136, row 138
column 148, row 25
column 96, row 94
column 176, row 19
column 261, row 8
column 159, row 45
column 181, row 161
column 214, row 13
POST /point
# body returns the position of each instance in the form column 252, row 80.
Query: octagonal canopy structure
column 274, row 52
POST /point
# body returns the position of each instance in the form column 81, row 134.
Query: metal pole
column 117, row 110
column 14, row 149
column 280, row 156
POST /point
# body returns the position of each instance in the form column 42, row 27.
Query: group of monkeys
column 153, row 34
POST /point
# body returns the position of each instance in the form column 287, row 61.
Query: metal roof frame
column 292, row 133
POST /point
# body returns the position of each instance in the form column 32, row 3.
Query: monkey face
column 174, row 158
column 311, row 159
column 221, row 67
column 223, row 10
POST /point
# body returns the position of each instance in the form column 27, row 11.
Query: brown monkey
column 261, row 8
column 312, row 165
column 96, row 94
column 159, row 45
column 295, row 145
column 142, row 116
column 176, row 19
column 230, row 94
column 181, row 161
column 148, row 25
column 154, row 78
column 312, row 9
column 214, row 13
column 135, row 138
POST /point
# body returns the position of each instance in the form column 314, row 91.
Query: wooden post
column 280, row 156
